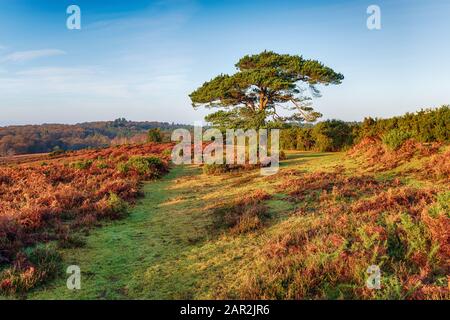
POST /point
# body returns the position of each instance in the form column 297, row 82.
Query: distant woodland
column 26, row 139
column 430, row 125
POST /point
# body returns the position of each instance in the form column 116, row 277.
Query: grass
column 165, row 248
column 168, row 246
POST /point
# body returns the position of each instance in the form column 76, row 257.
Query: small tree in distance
column 265, row 82
column 154, row 135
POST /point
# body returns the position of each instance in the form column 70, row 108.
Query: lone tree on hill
column 250, row 97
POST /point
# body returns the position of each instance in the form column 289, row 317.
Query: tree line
column 54, row 137
column 427, row 125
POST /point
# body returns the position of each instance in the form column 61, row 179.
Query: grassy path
column 171, row 246
column 167, row 248
column 164, row 250
column 114, row 262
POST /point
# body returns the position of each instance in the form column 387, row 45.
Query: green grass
column 115, row 259
column 167, row 248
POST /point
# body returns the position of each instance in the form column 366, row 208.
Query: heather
column 53, row 200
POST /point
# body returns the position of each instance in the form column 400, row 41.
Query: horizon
column 189, row 124
column 140, row 60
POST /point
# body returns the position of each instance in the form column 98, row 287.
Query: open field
column 310, row 232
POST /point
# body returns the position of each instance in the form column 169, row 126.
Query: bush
column 38, row 264
column 332, row 135
column 147, row 167
column 82, row 164
column 150, row 167
column 394, row 138
column 123, row 167
column 424, row 126
column 46, row 259
column 117, row 205
column 102, row 165
column 154, row 135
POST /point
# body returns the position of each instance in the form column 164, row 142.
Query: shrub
column 425, row 125
column 332, row 135
column 116, row 204
column 154, row 135
column 150, row 167
column 102, row 165
column 394, row 138
column 123, row 167
column 37, row 265
column 46, row 259
column 82, row 164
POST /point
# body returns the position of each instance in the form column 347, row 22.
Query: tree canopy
column 264, row 82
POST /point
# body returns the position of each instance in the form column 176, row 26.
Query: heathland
column 140, row 227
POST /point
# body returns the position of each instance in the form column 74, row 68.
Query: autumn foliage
column 347, row 220
column 345, row 223
column 51, row 199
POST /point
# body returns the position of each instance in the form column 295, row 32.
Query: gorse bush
column 330, row 135
column 146, row 166
column 394, row 138
column 117, row 205
column 82, row 164
column 431, row 125
column 424, row 126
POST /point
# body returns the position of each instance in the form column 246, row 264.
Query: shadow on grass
column 301, row 157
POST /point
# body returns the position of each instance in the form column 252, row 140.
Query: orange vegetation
column 50, row 199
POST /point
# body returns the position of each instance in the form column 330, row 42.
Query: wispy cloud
column 53, row 72
column 163, row 23
column 21, row 56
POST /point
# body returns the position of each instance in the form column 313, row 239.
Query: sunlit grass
column 168, row 247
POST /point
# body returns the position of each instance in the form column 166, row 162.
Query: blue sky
column 141, row 59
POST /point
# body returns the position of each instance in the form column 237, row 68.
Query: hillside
column 310, row 232
column 29, row 139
